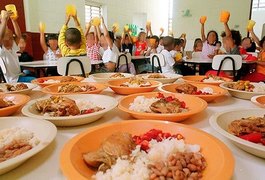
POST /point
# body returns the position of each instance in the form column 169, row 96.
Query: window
column 170, row 15
column 258, row 4
column 92, row 11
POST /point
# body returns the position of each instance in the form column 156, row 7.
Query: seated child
column 141, row 44
column 22, row 54
column 9, row 48
column 168, row 42
column 72, row 41
column 126, row 42
column 153, row 46
column 197, row 46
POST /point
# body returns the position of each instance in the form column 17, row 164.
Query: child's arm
column 203, row 32
column 3, row 25
column 42, row 41
column 17, row 30
column 106, row 34
column 162, row 31
column 98, row 32
column 255, row 38
column 150, row 30
column 227, row 30
column 61, row 39
column 78, row 26
column 88, row 26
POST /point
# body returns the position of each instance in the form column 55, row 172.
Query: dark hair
column 236, row 36
column 177, row 42
column 73, row 36
column 196, row 41
column 155, row 37
column 24, row 36
column 161, row 37
column 219, row 42
column 52, row 37
column 216, row 35
column 111, row 35
column 262, row 41
column 168, row 41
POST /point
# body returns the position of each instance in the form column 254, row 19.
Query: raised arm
column 16, row 29
column 254, row 37
column 42, row 41
column 227, row 30
column 162, row 31
column 88, row 27
column 203, row 32
column 78, row 26
column 106, row 34
column 4, row 19
column 61, row 39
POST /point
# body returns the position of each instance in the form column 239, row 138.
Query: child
column 22, row 54
column 9, row 48
column 153, row 46
column 197, row 46
column 247, row 45
column 177, row 48
column 169, row 61
column 72, row 41
column 208, row 43
column 126, row 42
column 92, row 45
column 141, row 44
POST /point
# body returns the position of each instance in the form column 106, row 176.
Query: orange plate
column 194, row 104
column 115, row 86
column 53, row 89
column 198, row 79
column 18, row 99
column 40, row 80
column 218, row 92
column 220, row 161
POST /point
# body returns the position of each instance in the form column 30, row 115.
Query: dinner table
column 38, row 66
column 46, row 164
column 139, row 61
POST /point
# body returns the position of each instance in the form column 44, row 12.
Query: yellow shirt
column 260, row 68
column 65, row 50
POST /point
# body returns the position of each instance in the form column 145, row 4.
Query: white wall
column 259, row 17
column 239, row 11
column 51, row 12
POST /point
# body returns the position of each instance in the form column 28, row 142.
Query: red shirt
column 140, row 46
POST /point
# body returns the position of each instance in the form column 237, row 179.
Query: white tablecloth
column 45, row 165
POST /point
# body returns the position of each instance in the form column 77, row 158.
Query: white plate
column 170, row 78
column 24, row 91
column 254, row 100
column 103, row 101
column 220, row 122
column 242, row 94
column 105, row 77
column 43, row 130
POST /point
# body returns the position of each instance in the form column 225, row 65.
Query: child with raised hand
column 197, row 46
column 9, row 48
column 72, row 41
column 169, row 60
column 208, row 41
column 51, row 49
column 126, row 42
column 92, row 45
column 141, row 44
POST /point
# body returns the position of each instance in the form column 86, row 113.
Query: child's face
column 199, row 46
column 142, row 37
column 53, row 43
column 178, row 47
column 246, row 43
column 211, row 38
column 126, row 40
column 218, row 45
column 22, row 44
column 90, row 39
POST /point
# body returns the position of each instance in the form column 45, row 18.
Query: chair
column 74, row 65
column 2, row 70
column 158, row 61
column 124, row 58
column 227, row 63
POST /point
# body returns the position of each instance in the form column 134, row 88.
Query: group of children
column 101, row 44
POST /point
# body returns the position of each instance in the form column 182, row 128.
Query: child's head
column 22, row 43
column 168, row 42
column 73, row 38
column 154, row 41
column 212, row 37
column 126, row 39
column 230, row 43
column 161, row 41
column 8, row 39
column 218, row 45
column 197, row 47
column 177, row 44
column 117, row 41
column 142, row 36
column 90, row 39
column 103, row 41
column 52, row 41
column 246, row 42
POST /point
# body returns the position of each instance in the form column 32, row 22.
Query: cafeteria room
column 122, row 90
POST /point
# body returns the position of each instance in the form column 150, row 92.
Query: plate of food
column 204, row 91
column 244, row 127
column 259, row 100
column 46, row 81
column 74, row 88
column 244, row 89
column 22, row 138
column 21, row 88
column 105, row 77
column 11, row 103
column 162, row 106
column 211, row 79
column 161, row 77
column 145, row 149
column 70, row 110
column 133, row 85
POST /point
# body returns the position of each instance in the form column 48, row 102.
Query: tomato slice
column 252, row 137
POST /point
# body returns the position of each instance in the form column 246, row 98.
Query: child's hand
column 6, row 14
column 67, row 19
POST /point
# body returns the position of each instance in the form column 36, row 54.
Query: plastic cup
column 148, row 23
column 42, row 26
column 126, row 28
column 224, row 16
column 134, row 39
column 70, row 10
column 251, row 24
column 115, row 27
column 178, row 56
column 203, row 19
column 96, row 21
column 13, row 9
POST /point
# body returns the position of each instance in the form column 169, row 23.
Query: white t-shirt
column 10, row 59
column 159, row 48
column 111, row 55
column 50, row 55
column 169, row 62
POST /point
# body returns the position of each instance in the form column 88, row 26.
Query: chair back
column 158, row 61
column 2, row 70
column 74, row 65
column 124, row 58
column 227, row 63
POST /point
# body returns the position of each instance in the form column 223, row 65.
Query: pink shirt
column 207, row 49
column 93, row 52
